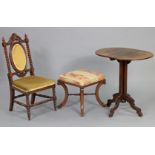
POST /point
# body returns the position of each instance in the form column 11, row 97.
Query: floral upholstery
column 81, row 77
column 32, row 83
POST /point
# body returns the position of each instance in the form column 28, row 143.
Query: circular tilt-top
column 18, row 57
column 124, row 54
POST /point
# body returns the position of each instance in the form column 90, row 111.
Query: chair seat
column 32, row 83
column 81, row 77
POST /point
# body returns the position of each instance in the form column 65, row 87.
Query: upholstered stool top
column 81, row 77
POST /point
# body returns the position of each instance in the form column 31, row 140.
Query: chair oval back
column 18, row 57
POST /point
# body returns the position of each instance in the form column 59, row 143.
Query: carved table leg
column 112, row 110
column 63, row 103
column 122, row 96
column 131, row 101
column 110, row 101
column 97, row 94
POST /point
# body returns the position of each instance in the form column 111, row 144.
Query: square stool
column 81, row 79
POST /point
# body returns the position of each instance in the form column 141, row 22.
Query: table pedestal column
column 122, row 96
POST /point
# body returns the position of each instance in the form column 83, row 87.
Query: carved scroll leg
column 63, row 103
column 28, row 107
column 97, row 94
column 33, row 96
column 82, row 102
column 131, row 101
column 12, row 93
column 110, row 101
column 54, row 98
column 112, row 110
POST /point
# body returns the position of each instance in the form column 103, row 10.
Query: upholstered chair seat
column 32, row 83
column 22, row 77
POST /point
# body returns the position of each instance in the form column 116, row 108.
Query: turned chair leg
column 54, row 98
column 33, row 96
column 28, row 107
column 82, row 102
column 12, row 94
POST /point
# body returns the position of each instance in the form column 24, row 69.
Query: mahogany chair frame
column 13, row 71
column 81, row 94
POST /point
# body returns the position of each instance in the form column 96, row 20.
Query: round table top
column 124, row 54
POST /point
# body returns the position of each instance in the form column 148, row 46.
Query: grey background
column 57, row 50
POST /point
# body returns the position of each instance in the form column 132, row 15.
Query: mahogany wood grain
column 81, row 94
column 12, row 71
column 124, row 56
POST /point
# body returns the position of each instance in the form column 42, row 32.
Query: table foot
column 131, row 101
column 112, row 110
column 110, row 101
column 122, row 98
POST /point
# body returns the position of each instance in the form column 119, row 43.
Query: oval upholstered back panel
column 18, row 56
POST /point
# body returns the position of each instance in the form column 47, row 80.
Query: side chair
column 21, row 75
